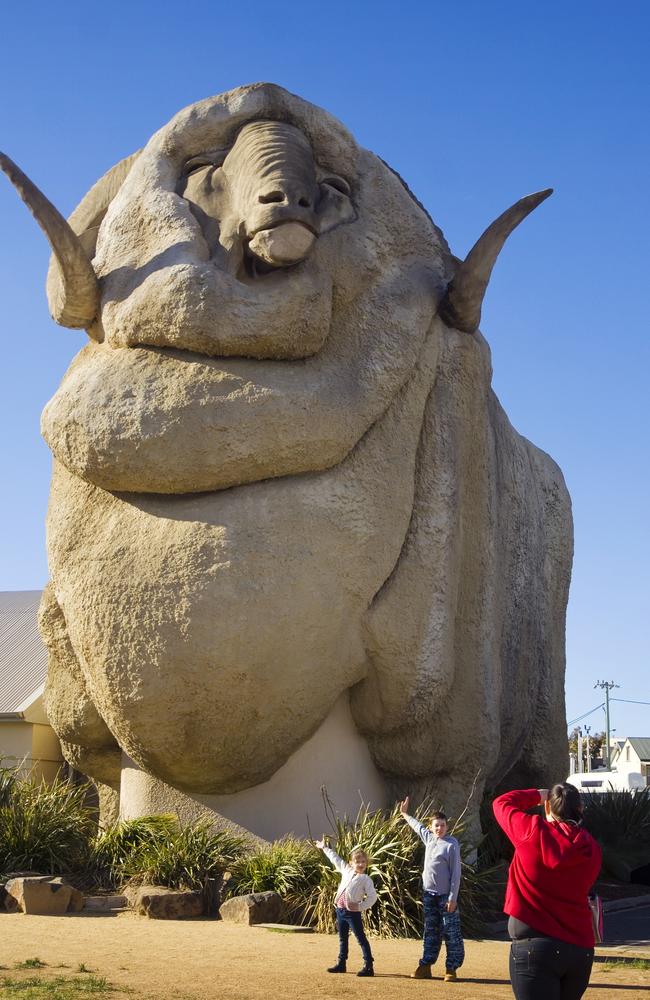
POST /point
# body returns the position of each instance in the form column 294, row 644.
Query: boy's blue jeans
column 346, row 919
column 438, row 926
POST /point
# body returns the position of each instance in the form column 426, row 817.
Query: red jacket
column 554, row 867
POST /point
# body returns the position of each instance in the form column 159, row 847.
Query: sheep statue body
column 289, row 519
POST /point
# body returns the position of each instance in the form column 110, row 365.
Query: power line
column 590, row 712
column 628, row 701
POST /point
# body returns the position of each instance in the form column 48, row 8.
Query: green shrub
column 181, row 857
column 290, row 866
column 44, row 827
column 615, row 817
column 306, row 880
column 395, row 858
column 115, row 851
column 620, row 822
column 7, row 785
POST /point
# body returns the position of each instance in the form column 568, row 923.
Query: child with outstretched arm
column 441, row 880
column 355, row 893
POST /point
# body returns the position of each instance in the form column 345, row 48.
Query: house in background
column 633, row 755
column 26, row 738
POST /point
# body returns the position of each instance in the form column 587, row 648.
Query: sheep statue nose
column 290, row 239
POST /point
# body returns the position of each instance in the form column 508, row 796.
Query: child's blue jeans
column 346, row 919
column 440, row 925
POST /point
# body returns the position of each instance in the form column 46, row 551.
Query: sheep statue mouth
column 282, row 245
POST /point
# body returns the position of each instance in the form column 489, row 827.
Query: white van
column 607, row 781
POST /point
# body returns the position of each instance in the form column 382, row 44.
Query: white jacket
column 360, row 893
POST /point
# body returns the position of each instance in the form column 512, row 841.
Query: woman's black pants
column 544, row 968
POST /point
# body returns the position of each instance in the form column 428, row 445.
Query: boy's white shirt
column 358, row 889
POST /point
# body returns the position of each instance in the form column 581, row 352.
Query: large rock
column 77, row 900
column 254, row 908
column 160, row 903
column 42, row 894
column 8, row 903
column 281, row 474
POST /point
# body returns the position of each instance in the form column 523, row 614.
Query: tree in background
column 596, row 744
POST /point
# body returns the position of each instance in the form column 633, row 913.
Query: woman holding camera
column 554, row 866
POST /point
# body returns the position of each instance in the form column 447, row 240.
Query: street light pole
column 579, row 746
column 587, row 731
column 607, row 685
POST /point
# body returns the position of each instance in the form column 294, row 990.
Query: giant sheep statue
column 293, row 539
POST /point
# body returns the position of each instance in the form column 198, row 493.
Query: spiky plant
column 44, row 827
column 115, row 851
column 307, row 881
column 394, row 864
column 396, row 856
column 620, row 822
column 184, row 858
column 8, row 778
column 290, row 867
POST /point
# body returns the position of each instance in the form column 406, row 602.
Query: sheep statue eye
column 338, row 183
column 196, row 163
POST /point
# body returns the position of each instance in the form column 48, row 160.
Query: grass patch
column 614, row 964
column 59, row 988
column 30, row 963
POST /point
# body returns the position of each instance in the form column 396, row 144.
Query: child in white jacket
column 355, row 893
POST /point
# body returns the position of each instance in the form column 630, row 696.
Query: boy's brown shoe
column 422, row 972
column 450, row 976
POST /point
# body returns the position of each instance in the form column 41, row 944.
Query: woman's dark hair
column 565, row 803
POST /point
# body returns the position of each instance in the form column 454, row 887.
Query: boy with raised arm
column 441, row 881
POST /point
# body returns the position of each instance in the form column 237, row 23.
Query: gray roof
column 641, row 746
column 23, row 657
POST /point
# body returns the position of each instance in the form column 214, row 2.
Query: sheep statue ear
column 72, row 286
column 461, row 306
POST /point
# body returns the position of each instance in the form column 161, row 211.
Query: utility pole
column 607, row 686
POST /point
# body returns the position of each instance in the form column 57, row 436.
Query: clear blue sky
column 476, row 104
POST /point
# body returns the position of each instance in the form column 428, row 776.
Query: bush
column 115, row 849
column 395, row 857
column 620, row 822
column 43, row 827
column 7, row 785
column 307, row 881
column 290, row 866
column 157, row 850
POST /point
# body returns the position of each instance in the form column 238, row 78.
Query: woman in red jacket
column 554, row 866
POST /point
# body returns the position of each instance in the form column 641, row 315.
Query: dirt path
column 211, row 960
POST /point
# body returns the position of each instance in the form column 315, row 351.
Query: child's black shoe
column 367, row 970
column 339, row 967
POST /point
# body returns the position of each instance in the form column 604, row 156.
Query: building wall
column 627, row 761
column 15, row 744
column 625, row 765
column 32, row 746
